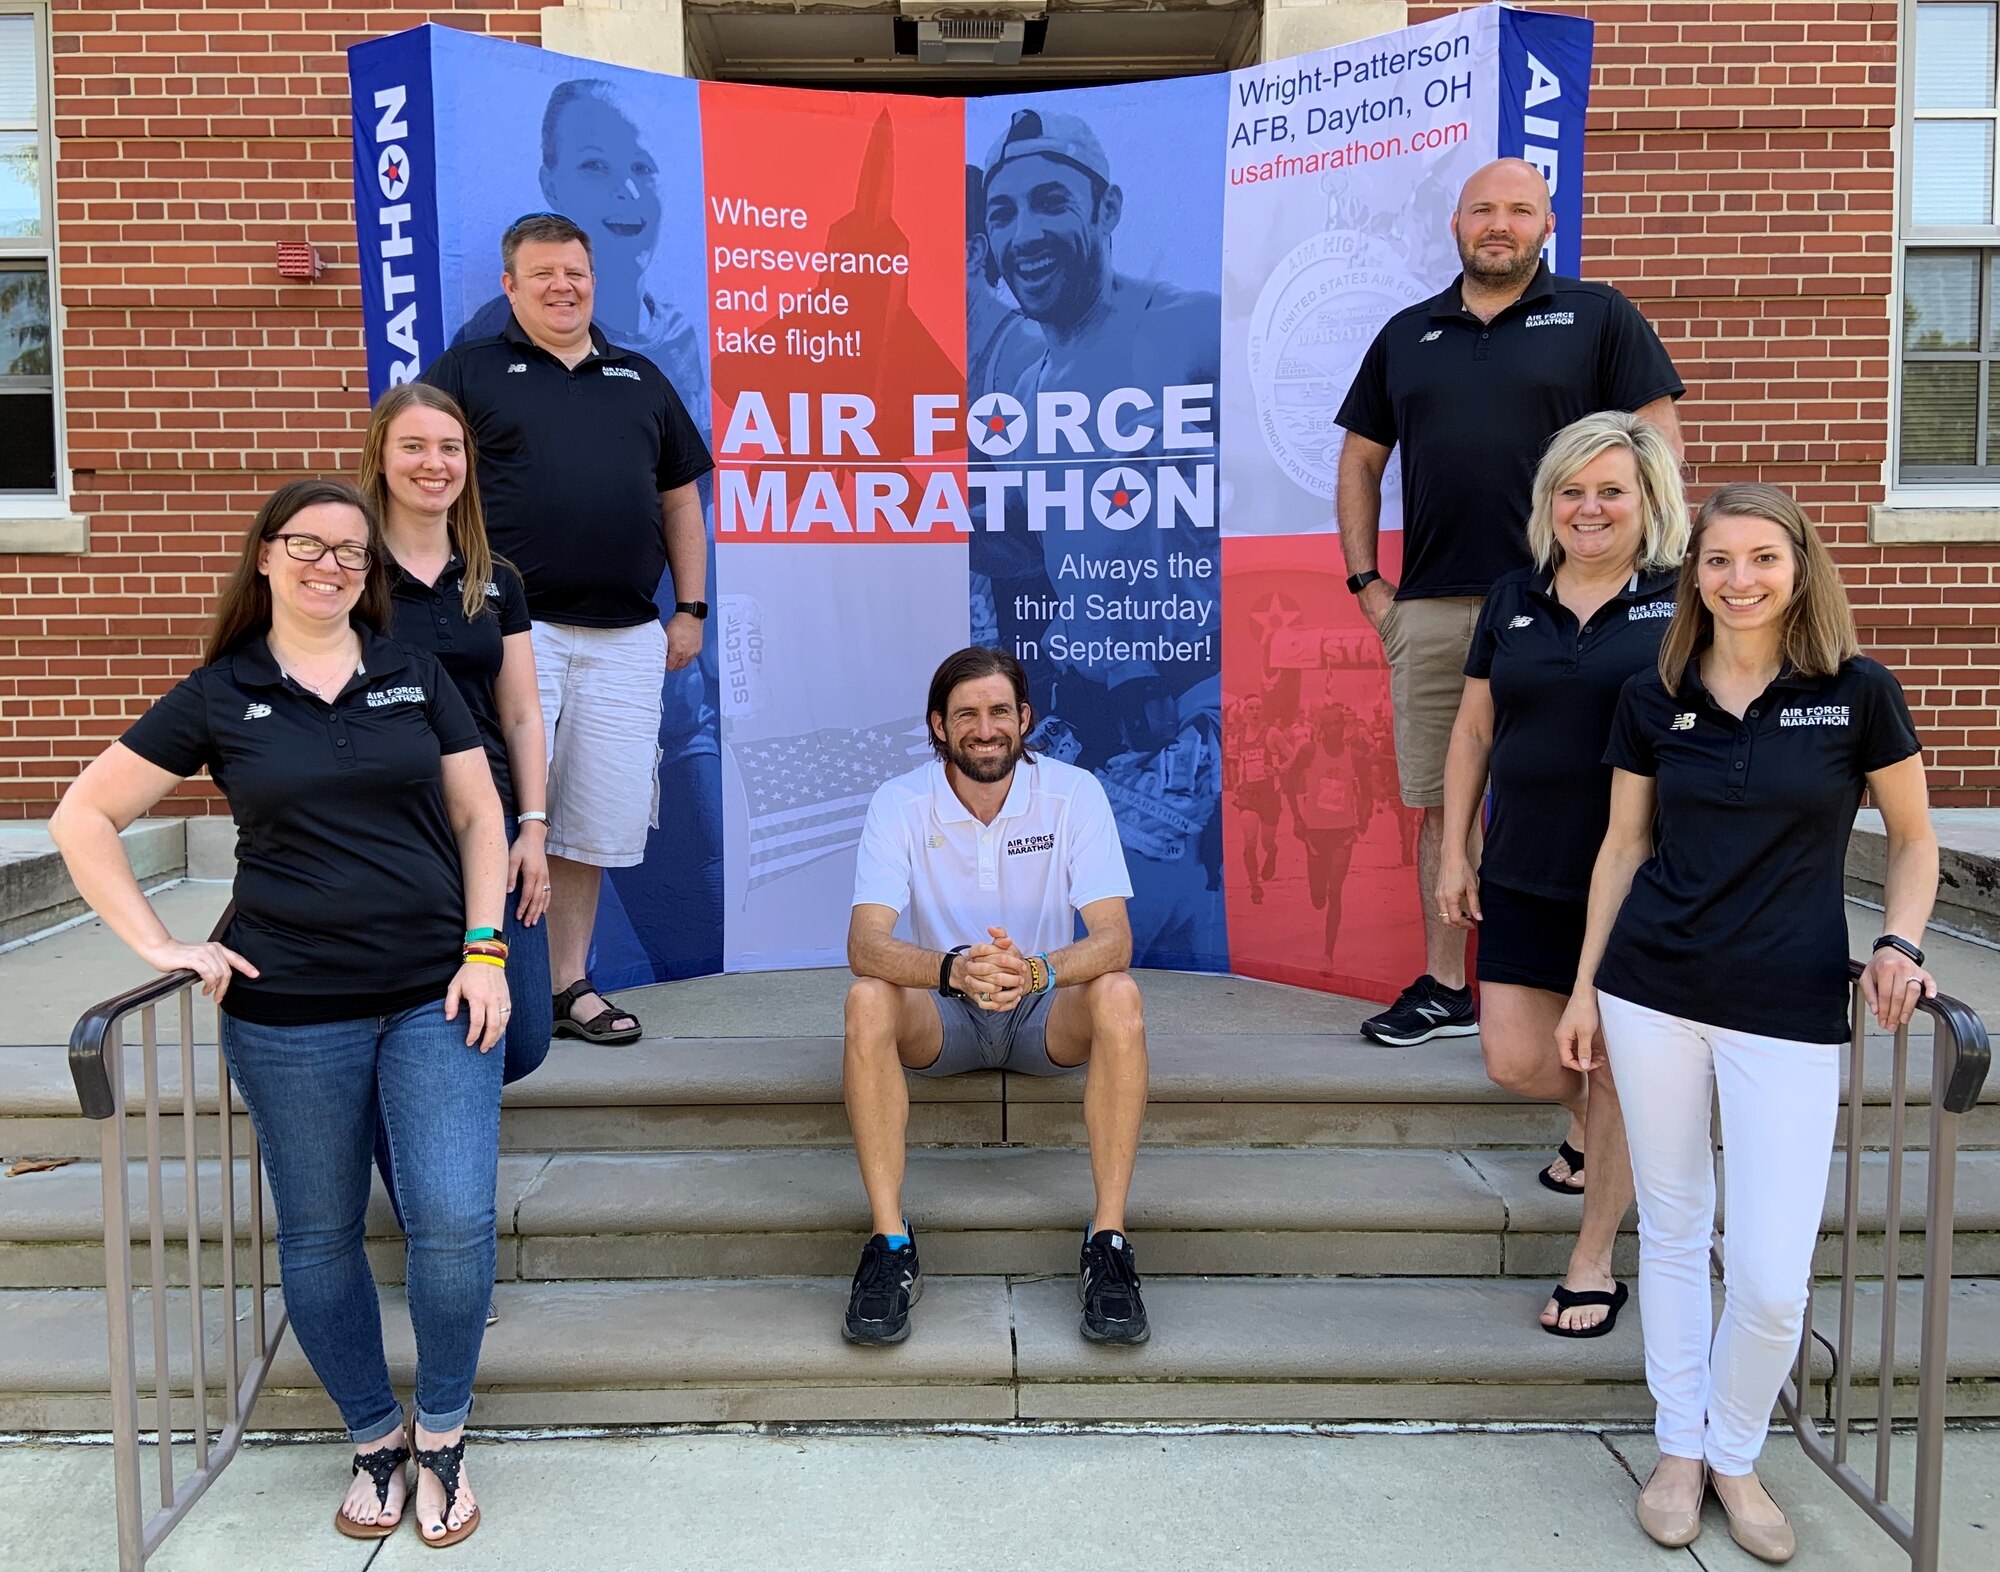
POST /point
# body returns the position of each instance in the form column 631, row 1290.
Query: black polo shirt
column 432, row 617
column 1472, row 404
column 1555, row 687
column 572, row 461
column 1738, row 919
column 349, row 896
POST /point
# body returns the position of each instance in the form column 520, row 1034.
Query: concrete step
column 983, row 1348
column 1009, row 1210
column 666, row 1094
column 35, row 887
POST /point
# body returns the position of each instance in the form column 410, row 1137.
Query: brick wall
column 1741, row 190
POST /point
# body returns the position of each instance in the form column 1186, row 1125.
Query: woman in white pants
column 1715, row 963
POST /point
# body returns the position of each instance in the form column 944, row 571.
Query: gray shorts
column 976, row 1039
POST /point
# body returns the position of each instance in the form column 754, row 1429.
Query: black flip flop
column 1571, row 1299
column 1574, row 1158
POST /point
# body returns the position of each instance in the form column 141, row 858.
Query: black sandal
column 598, row 1029
column 446, row 1462
column 381, row 1465
column 1574, row 1158
column 1572, row 1299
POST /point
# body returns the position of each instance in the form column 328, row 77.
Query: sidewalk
column 1479, row 1502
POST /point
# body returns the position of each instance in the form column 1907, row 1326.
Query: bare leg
column 1517, row 1032
column 572, row 919
column 1444, row 945
column 1606, row 1198
column 1104, row 1022
column 887, row 1028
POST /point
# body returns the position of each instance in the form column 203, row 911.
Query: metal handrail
column 96, row 1061
column 1960, row 1058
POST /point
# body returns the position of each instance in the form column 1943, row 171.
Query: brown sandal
column 381, row 1466
column 598, row 1029
column 445, row 1462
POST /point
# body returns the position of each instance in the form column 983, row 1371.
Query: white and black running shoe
column 886, row 1284
column 1424, row 1010
column 1107, row 1281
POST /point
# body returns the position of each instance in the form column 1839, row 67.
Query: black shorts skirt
column 1531, row 941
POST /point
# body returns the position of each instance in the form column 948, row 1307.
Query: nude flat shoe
column 1772, row 1542
column 1672, row 1529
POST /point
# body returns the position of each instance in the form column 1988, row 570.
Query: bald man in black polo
column 1471, row 385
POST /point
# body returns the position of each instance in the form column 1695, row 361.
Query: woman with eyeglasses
column 361, row 965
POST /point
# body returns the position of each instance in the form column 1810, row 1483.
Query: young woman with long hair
column 357, row 979
column 1714, row 965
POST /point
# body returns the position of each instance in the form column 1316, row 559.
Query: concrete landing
column 1001, row 1503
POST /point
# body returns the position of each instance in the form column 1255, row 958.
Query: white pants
column 1779, row 1100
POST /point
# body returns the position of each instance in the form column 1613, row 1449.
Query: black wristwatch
column 1357, row 582
column 697, row 609
column 944, row 973
column 1895, row 941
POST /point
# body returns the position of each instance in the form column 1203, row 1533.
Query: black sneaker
column 886, row 1284
column 1107, row 1281
column 1424, row 1010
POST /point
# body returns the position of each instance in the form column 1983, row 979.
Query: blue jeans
column 317, row 1095
column 529, row 1028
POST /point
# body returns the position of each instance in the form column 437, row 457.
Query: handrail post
column 124, row 1347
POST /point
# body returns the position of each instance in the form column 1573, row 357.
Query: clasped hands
column 993, row 976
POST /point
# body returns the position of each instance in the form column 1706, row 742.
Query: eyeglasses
column 310, row 548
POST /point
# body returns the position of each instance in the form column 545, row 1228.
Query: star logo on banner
column 393, row 170
column 1120, row 498
column 997, row 424
column 1274, row 612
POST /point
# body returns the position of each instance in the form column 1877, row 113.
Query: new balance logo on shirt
column 519, row 365
column 1434, row 333
column 257, row 712
column 1683, row 721
column 1815, row 715
column 1522, row 622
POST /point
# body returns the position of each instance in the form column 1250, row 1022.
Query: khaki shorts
column 1426, row 642
column 601, row 719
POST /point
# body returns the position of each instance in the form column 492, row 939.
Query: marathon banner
column 1054, row 372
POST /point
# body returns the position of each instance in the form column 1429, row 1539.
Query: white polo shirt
column 1052, row 850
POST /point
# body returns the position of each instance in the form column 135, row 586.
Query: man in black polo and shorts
column 992, row 854
column 1471, row 385
column 587, row 471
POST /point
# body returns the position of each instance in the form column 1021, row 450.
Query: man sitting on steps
column 993, row 853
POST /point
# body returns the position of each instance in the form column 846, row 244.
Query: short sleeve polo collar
column 950, row 810
column 254, row 666
column 601, row 348
column 1448, row 304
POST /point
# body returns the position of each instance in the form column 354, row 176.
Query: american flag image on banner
column 808, row 794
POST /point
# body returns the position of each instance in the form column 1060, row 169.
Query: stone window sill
column 35, row 529
column 1906, row 526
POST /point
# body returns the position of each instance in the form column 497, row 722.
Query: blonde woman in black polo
column 1715, row 964
column 1554, row 645
column 358, row 978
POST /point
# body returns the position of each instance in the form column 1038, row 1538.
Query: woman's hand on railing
column 213, row 963
column 1458, row 891
column 1577, row 1031
column 1892, row 983
column 482, row 989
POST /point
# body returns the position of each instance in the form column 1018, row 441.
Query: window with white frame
column 28, row 405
